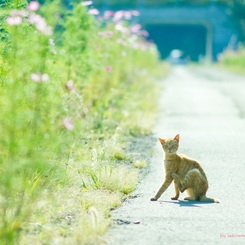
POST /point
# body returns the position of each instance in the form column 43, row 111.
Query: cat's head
column 171, row 145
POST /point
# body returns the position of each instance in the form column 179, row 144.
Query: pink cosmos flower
column 144, row 33
column 40, row 24
column 105, row 34
column 14, row 20
column 23, row 13
column 135, row 28
column 135, row 12
column 38, row 78
column 86, row 3
column 99, row 18
column 108, row 14
column 16, row 12
column 17, row 16
column 70, row 86
column 34, row 18
column 33, row 6
column 68, row 123
column 118, row 15
column 94, row 11
column 127, row 15
column 108, row 68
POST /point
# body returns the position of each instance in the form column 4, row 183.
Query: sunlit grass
column 70, row 99
column 139, row 164
column 119, row 179
column 102, row 200
column 233, row 60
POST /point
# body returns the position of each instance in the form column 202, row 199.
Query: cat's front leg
column 178, row 181
column 177, row 192
column 165, row 185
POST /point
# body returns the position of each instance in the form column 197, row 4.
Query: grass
column 73, row 90
column 233, row 61
column 139, row 164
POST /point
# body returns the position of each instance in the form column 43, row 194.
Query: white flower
column 45, row 77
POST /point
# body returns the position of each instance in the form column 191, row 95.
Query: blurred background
column 184, row 30
column 187, row 30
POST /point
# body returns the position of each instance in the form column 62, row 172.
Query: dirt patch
column 141, row 148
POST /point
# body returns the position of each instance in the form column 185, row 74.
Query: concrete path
column 207, row 108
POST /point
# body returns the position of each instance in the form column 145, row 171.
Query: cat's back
column 187, row 159
column 187, row 163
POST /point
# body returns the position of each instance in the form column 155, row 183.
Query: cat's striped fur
column 187, row 174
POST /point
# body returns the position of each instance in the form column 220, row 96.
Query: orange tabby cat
column 186, row 172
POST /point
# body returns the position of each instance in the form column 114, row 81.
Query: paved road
column 207, row 108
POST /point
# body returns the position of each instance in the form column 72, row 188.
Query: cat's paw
column 174, row 198
column 189, row 199
column 153, row 199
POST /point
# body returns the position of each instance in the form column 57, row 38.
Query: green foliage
column 159, row 2
column 71, row 90
column 233, row 60
column 139, row 164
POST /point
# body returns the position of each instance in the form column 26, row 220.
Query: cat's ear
column 161, row 141
column 177, row 137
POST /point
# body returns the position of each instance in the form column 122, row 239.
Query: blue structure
column 200, row 31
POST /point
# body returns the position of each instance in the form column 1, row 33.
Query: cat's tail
column 207, row 199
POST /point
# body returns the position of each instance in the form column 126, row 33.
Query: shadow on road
column 193, row 204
